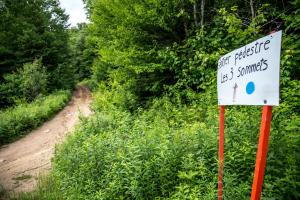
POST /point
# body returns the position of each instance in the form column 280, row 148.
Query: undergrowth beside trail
column 18, row 120
column 169, row 151
column 47, row 190
column 154, row 133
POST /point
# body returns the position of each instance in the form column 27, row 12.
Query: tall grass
column 22, row 118
column 46, row 190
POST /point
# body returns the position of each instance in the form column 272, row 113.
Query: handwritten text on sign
column 250, row 75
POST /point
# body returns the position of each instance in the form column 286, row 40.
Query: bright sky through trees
column 75, row 10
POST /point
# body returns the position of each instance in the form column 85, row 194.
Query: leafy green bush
column 169, row 151
column 25, row 85
column 117, row 94
column 142, row 157
column 16, row 121
column 33, row 80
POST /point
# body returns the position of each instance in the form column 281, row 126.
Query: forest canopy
column 37, row 31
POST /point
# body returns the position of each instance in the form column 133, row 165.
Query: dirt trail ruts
column 23, row 161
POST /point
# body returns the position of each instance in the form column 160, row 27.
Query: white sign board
column 250, row 75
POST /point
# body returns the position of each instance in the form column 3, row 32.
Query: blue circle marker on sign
column 250, row 87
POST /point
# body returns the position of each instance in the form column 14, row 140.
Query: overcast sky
column 75, row 10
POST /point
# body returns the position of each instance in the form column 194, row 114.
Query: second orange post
column 221, row 152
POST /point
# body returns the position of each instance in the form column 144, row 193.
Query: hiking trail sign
column 250, row 76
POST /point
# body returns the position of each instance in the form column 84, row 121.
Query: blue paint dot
column 250, row 87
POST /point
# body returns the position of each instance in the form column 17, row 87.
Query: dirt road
column 24, row 160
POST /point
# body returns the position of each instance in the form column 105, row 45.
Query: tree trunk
column 252, row 9
column 185, row 29
column 195, row 14
column 202, row 12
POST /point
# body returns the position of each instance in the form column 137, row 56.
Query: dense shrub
column 136, row 157
column 26, row 84
column 16, row 121
column 169, row 151
column 33, row 80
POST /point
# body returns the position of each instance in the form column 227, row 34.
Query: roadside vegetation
column 18, row 120
column 169, row 151
column 154, row 133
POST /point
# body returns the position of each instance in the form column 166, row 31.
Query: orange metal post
column 261, row 156
column 221, row 153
